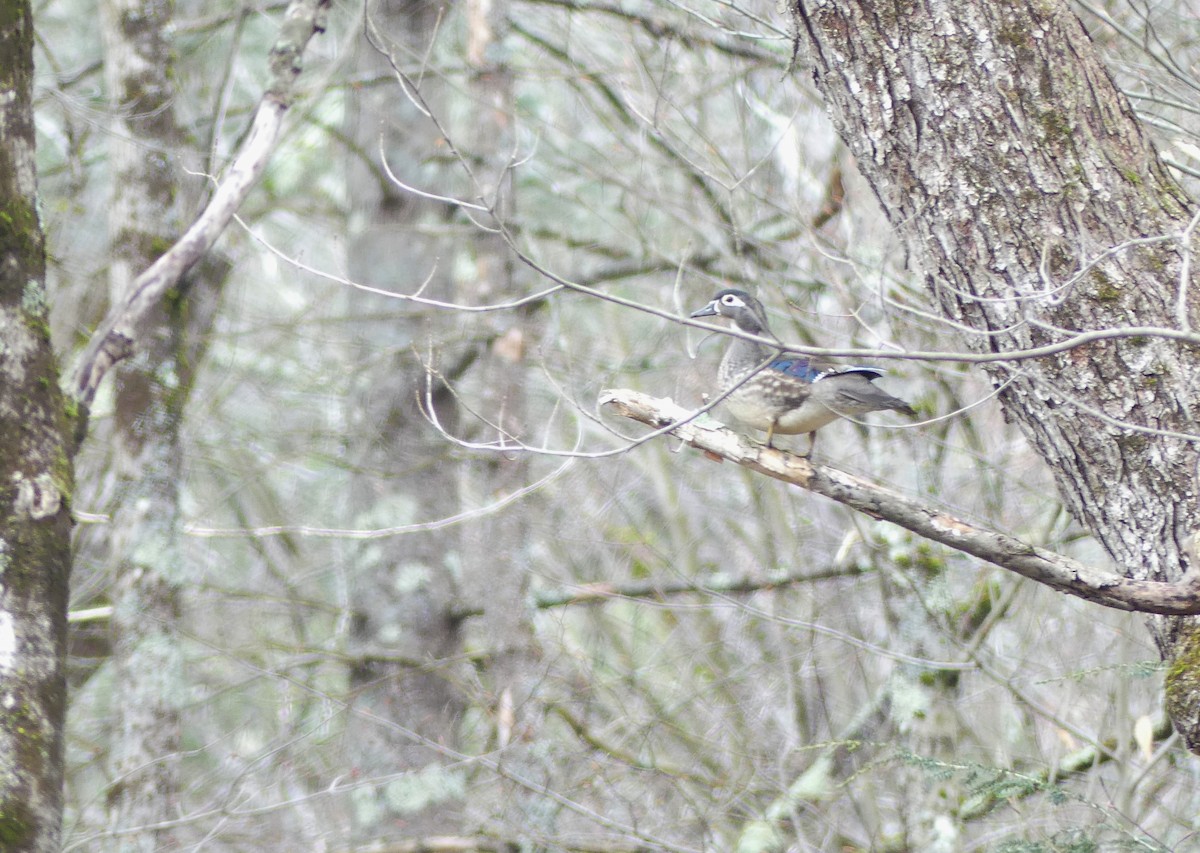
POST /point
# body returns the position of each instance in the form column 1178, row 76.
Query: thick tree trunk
column 1034, row 204
column 35, row 481
column 145, row 553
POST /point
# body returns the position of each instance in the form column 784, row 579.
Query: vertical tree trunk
column 496, row 547
column 35, row 481
column 404, row 588
column 1001, row 150
column 145, row 556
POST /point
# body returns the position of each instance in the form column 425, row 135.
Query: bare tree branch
column 117, row 336
column 660, row 28
column 933, row 523
column 598, row 593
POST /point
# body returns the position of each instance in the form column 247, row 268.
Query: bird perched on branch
column 783, row 393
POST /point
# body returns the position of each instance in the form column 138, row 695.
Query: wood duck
column 783, row 393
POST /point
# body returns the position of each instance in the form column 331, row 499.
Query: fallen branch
column 1181, row 598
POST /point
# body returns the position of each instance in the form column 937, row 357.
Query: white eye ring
column 730, row 299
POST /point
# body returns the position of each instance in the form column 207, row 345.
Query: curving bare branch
column 934, row 523
column 117, row 337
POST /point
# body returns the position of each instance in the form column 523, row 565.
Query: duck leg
column 812, row 442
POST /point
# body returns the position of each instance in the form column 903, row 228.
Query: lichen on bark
column 36, row 473
column 1182, row 686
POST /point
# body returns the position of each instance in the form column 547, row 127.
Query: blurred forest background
column 361, row 567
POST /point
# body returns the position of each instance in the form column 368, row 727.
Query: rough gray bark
column 151, row 392
column 1035, row 206
column 36, row 476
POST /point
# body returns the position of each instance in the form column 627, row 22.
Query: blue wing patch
column 801, row 368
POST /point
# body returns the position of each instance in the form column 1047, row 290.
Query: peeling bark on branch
column 926, row 520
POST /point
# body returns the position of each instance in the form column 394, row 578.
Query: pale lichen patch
column 38, row 497
column 950, row 524
column 8, row 641
column 19, row 345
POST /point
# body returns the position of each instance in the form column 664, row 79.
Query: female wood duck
column 784, row 393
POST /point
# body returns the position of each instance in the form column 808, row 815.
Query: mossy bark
column 36, row 476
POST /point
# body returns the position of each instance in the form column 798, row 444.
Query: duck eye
column 729, row 299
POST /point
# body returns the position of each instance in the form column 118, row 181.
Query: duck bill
column 709, row 310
